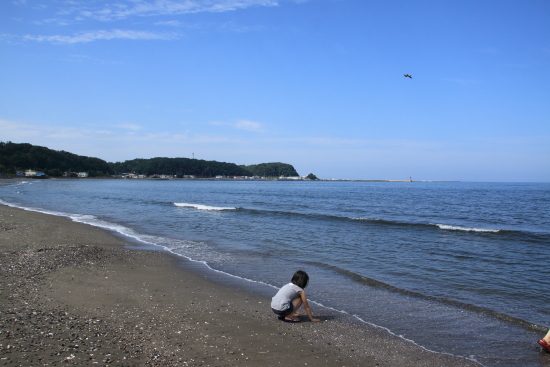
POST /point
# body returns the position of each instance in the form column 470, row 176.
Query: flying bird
column 407, row 76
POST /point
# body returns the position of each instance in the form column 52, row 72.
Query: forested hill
column 272, row 170
column 201, row 168
column 179, row 167
column 14, row 157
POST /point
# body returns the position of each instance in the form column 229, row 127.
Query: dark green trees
column 14, row 157
column 272, row 170
column 27, row 156
column 201, row 168
column 179, row 167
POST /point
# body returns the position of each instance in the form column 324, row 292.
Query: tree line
column 16, row 157
column 181, row 167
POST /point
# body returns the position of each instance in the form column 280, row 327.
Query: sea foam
column 467, row 229
column 203, row 207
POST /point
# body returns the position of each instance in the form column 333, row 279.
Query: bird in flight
column 407, row 76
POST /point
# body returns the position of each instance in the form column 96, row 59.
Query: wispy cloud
column 81, row 58
column 21, row 132
column 101, row 35
column 249, row 125
column 132, row 127
column 241, row 125
column 130, row 8
column 7, row 37
column 170, row 23
column 222, row 27
column 55, row 21
column 73, row 12
column 18, row 130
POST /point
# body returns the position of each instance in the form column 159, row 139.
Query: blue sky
column 318, row 84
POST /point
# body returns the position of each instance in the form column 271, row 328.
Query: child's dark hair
column 300, row 278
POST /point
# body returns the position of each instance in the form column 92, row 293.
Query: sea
column 455, row 267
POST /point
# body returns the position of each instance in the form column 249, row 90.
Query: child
column 290, row 297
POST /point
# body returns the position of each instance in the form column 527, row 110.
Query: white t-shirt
column 285, row 295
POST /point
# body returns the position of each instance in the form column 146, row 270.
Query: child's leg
column 297, row 302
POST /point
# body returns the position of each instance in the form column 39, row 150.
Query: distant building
column 82, row 174
column 36, row 174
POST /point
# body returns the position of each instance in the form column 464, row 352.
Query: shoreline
column 71, row 292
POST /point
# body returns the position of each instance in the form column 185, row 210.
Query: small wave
column 16, row 183
column 203, row 207
column 440, row 226
column 467, row 229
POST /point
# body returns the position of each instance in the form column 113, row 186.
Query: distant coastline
column 17, row 178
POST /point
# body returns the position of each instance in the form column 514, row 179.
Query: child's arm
column 306, row 306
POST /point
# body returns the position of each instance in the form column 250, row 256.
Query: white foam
column 467, row 229
column 18, row 183
column 86, row 219
column 203, row 207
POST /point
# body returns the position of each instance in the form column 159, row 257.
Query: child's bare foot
column 291, row 319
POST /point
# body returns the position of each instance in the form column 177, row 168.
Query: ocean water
column 459, row 268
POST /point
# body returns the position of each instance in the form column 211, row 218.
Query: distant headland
column 33, row 161
column 40, row 162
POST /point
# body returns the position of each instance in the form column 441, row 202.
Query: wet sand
column 75, row 294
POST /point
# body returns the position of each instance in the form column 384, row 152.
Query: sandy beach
column 74, row 294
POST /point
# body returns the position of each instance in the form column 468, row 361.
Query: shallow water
column 460, row 268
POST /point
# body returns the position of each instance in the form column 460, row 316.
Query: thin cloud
column 6, row 37
column 67, row 133
column 241, row 125
column 101, row 35
column 19, row 131
column 249, row 125
column 119, row 10
column 132, row 127
column 35, row 134
column 171, row 23
column 55, row 21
